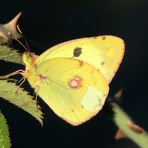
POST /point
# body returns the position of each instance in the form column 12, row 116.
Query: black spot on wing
column 77, row 51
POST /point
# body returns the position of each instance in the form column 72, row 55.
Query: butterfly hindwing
column 73, row 89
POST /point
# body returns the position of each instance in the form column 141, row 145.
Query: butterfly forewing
column 103, row 52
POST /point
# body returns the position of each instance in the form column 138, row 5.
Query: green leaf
column 4, row 133
column 3, row 42
column 21, row 99
column 10, row 55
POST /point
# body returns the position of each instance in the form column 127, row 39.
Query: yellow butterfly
column 73, row 77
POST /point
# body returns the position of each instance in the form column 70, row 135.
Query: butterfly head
column 29, row 60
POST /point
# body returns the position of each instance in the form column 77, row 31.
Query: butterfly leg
column 12, row 74
column 23, row 80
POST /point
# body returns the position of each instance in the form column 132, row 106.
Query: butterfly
column 73, row 77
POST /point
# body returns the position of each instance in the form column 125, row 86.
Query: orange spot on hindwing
column 75, row 82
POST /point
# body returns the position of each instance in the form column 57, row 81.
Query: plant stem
column 121, row 119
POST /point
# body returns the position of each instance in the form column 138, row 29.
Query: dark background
column 46, row 23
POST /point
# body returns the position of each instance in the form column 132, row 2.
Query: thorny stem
column 122, row 119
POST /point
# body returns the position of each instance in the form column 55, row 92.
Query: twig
column 125, row 124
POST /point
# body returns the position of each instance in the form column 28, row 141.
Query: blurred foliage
column 21, row 98
column 8, row 54
column 13, row 93
column 4, row 133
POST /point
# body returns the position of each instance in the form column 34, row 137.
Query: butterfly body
column 72, row 77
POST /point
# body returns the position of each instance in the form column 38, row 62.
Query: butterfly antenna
column 13, row 37
column 19, row 30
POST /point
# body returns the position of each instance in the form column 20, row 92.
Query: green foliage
column 8, row 54
column 4, row 133
column 8, row 89
column 2, row 42
column 21, row 98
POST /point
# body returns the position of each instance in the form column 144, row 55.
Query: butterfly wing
column 103, row 52
column 75, row 91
